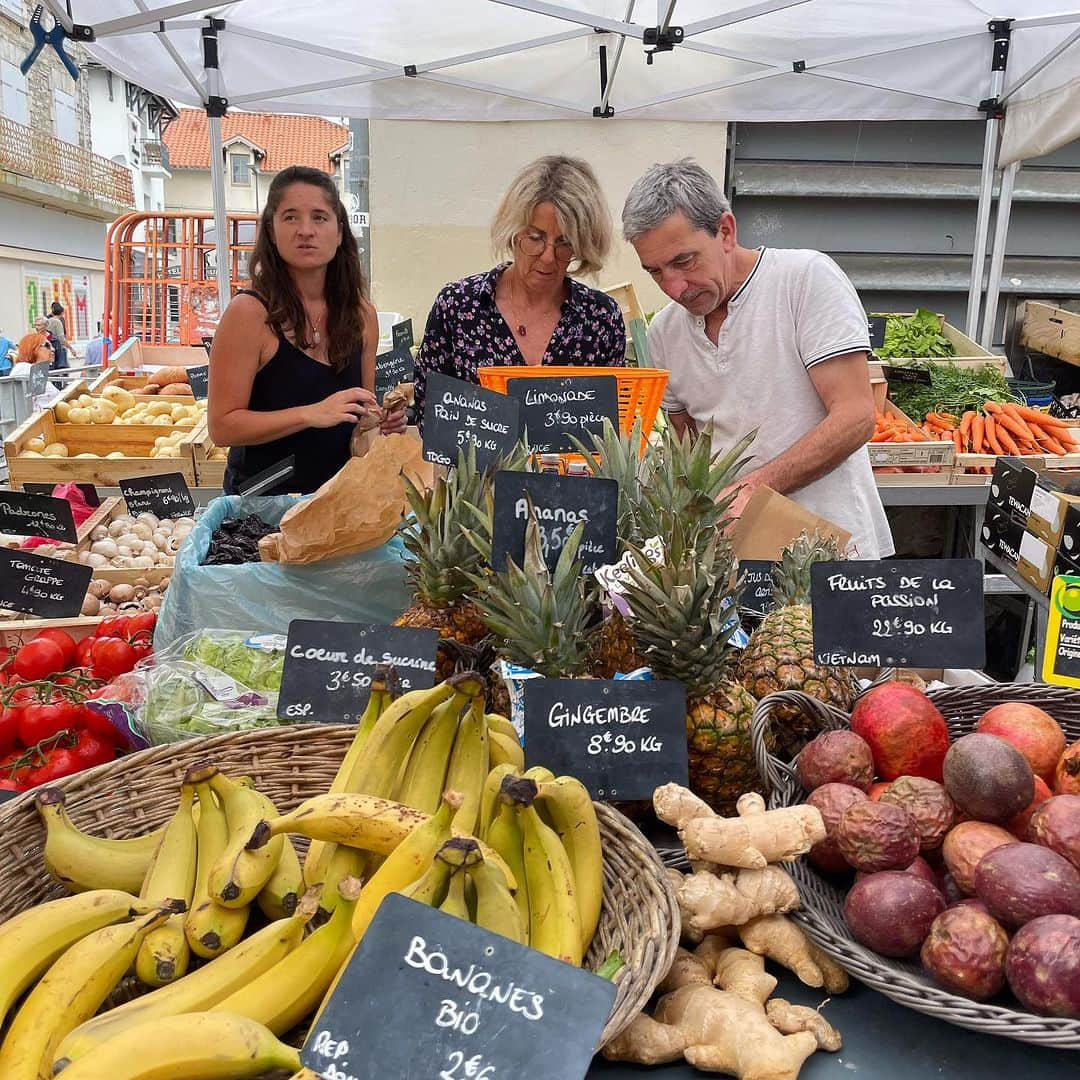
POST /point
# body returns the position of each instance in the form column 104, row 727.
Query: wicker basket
column 640, row 917
column 822, row 914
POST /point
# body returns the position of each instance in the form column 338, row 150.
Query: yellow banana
column 406, row 863
column 279, row 896
column 572, row 814
column 80, row 861
column 425, row 778
column 489, row 797
column 240, row 872
column 495, row 907
column 202, row 989
column 505, row 749
column 504, row 836
column 32, row 940
column 454, row 902
column 210, row 928
column 554, row 918
column 458, row 853
column 345, row 862
column 430, row 887
column 71, row 991
column 498, row 722
column 319, row 855
column 468, row 767
column 291, row 990
column 538, row 774
column 200, row 1045
column 164, row 954
column 360, row 821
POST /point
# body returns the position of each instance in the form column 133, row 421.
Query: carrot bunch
column 1004, row 429
column 893, row 429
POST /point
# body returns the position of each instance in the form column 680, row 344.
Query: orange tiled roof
column 286, row 140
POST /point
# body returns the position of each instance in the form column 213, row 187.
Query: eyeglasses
column 535, row 244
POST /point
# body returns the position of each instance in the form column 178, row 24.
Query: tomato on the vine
column 61, row 638
column 60, row 762
column 143, row 623
column 91, row 749
column 117, row 626
column 9, row 728
column 112, row 657
column 17, row 775
column 83, row 650
column 42, row 721
column 38, row 659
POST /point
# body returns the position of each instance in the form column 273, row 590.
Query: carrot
column 965, row 422
column 990, row 434
column 993, row 407
column 1015, row 427
column 1047, row 440
column 978, row 428
column 1012, row 411
column 1040, row 418
column 958, row 441
column 1005, row 438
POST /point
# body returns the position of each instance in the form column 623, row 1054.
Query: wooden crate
column 15, row 632
column 1051, row 330
column 117, row 576
column 135, row 384
column 209, row 473
column 1036, row 461
column 966, row 348
column 915, row 455
column 998, row 362
column 627, row 298
column 134, row 356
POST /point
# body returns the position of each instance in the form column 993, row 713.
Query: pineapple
column 780, row 653
column 442, row 560
column 683, row 618
column 614, row 649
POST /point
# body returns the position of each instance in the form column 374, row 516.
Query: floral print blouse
column 465, row 331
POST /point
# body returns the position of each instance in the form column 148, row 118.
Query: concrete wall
column 435, row 187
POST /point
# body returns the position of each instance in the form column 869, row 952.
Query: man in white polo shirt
column 773, row 339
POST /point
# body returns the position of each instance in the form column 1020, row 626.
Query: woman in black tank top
column 292, row 367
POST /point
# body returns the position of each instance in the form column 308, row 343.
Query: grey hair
column 669, row 188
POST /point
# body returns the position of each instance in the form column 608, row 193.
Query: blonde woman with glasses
column 552, row 222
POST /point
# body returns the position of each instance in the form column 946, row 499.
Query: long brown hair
column 345, row 284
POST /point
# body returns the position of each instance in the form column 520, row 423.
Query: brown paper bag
column 357, row 509
column 771, row 521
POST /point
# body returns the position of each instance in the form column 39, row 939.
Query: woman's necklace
column 316, row 337
column 522, row 329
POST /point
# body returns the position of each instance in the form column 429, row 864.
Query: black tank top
column 289, row 379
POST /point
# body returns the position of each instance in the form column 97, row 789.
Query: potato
column 86, row 455
column 186, row 423
column 56, row 449
column 31, row 453
column 80, row 414
column 162, row 440
column 37, row 443
column 85, row 400
column 102, row 412
column 60, row 411
column 121, row 398
column 161, row 421
column 115, row 455
column 169, row 452
column 159, row 408
column 167, row 375
column 177, row 412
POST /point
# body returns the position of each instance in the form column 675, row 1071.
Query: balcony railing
column 50, row 160
column 155, row 153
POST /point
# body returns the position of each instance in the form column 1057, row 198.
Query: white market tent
column 1013, row 65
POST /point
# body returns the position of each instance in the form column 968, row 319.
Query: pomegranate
column 1067, row 773
column 908, row 736
column 1036, row 734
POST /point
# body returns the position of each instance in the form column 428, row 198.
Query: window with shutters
column 241, row 169
column 65, row 118
column 13, row 101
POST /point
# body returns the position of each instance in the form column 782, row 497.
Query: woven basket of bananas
column 137, row 797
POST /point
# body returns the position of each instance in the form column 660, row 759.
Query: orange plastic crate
column 641, row 390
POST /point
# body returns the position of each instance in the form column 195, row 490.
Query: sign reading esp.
column 561, row 503
column 621, row 738
column 899, row 613
column 757, row 595
column 43, row 587
column 329, row 665
column 391, row 369
column 23, row 514
column 554, row 409
column 165, row 496
column 457, row 413
column 475, row 1005
column 199, row 381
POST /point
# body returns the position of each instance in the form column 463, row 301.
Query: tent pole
column 216, row 107
column 997, row 256
column 982, row 224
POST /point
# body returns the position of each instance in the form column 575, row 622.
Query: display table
column 886, row 1041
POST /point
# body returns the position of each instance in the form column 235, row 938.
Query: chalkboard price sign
column 199, row 380
column 207, row 344
column 875, row 325
column 40, row 586
column 554, row 409
column 429, row 995
column 329, row 665
column 23, row 514
column 757, row 594
column 402, row 335
column 7, row 796
column 165, row 496
column 39, row 377
column 392, row 368
column 906, row 375
column 899, row 613
column 621, row 738
column 561, row 503
column 457, row 413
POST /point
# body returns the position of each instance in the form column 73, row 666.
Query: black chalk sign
column 454, row 1002
column 329, row 665
column 40, row 586
column 392, row 368
column 622, row 738
column 401, row 334
column 39, row 377
column 553, row 410
column 207, row 344
column 199, row 381
column 164, row 496
column 23, row 514
column 457, row 414
column 757, row 594
column 899, row 613
column 906, row 375
column 561, row 503
column 875, row 326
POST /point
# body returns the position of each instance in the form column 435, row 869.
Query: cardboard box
column 1037, row 498
column 771, row 521
column 1030, row 556
column 1051, row 330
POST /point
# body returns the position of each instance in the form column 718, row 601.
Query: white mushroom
column 108, row 548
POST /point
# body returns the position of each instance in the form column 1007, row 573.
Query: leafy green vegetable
column 952, row 389
column 914, row 336
column 255, row 668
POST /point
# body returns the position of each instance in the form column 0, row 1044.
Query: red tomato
column 142, row 623
column 9, row 728
column 10, row 785
column 59, row 762
column 83, row 652
column 63, row 639
column 117, row 626
column 142, row 651
column 112, row 657
column 38, row 659
column 41, row 721
column 17, row 776
column 93, row 750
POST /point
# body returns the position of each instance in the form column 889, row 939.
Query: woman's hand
column 344, row 407
column 395, row 422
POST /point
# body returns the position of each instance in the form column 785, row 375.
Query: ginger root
column 778, row 938
column 755, row 839
column 686, row 931
column 714, row 1030
column 788, row 1019
column 741, row 972
column 687, row 969
column 676, row 805
column 709, row 900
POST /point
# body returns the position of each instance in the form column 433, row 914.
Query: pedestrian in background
column 57, row 327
